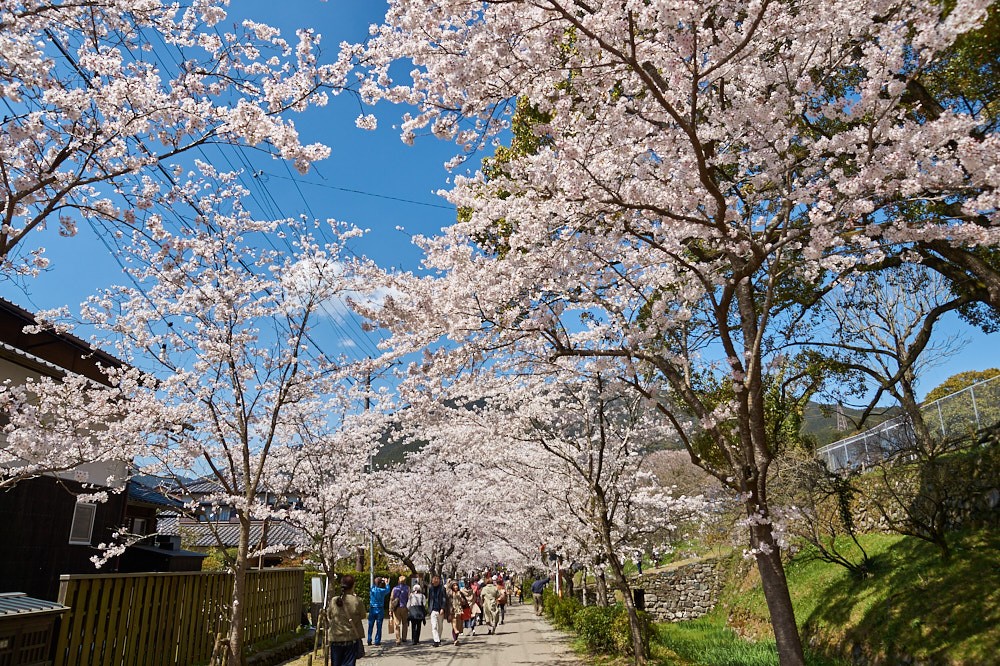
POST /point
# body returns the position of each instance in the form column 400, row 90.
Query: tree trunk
column 775, row 587
column 621, row 584
column 233, row 654
column 601, row 585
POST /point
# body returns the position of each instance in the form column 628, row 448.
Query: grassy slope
column 915, row 605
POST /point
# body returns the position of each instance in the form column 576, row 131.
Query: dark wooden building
column 46, row 532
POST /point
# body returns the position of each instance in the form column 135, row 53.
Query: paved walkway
column 522, row 639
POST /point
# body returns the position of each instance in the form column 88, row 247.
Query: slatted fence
column 165, row 619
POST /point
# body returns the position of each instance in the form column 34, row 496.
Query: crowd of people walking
column 456, row 609
column 460, row 604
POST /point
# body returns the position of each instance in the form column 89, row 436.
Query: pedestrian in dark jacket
column 437, row 600
column 536, row 591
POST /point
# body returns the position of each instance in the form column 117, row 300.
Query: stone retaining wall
column 681, row 593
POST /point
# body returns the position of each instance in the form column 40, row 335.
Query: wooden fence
column 167, row 618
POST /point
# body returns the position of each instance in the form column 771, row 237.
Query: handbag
column 359, row 649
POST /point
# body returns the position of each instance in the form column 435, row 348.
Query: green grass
column 708, row 642
column 915, row 605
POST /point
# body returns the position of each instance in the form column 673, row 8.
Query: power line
column 355, row 191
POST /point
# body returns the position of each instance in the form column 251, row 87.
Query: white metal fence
column 952, row 418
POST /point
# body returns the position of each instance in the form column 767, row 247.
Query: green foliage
column 560, row 610
column 219, row 559
column 787, row 391
column 601, row 630
column 960, row 381
column 528, row 137
column 820, row 422
column 361, row 583
column 594, row 626
column 708, row 642
column 967, row 76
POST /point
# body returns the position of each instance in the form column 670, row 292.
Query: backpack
column 417, row 612
column 502, row 598
column 394, row 600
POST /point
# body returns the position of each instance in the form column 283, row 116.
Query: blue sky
column 371, row 180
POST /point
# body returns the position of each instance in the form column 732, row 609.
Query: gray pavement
column 522, row 639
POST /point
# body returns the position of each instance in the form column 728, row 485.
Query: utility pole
column 371, row 500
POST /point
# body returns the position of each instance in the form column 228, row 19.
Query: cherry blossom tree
column 225, row 329
column 699, row 168
column 101, row 96
column 55, row 425
column 326, row 475
column 582, row 442
column 578, row 443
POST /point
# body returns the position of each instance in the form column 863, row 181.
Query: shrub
column 606, row 629
column 564, row 612
column 621, row 633
column 594, row 625
column 560, row 610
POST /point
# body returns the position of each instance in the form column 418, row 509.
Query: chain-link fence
column 953, row 418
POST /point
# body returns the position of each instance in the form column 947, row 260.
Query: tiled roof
column 140, row 493
column 18, row 603
column 200, row 535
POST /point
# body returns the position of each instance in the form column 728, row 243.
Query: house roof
column 142, row 494
column 18, row 603
column 49, row 352
column 166, row 552
column 200, row 535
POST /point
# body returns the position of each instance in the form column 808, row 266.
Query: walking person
column 503, row 598
column 376, row 609
column 477, row 590
column 398, row 599
column 470, row 609
column 455, row 611
column 417, row 610
column 437, row 601
column 536, row 591
column 491, row 612
column 344, row 622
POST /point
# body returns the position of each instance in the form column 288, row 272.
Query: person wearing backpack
column 417, row 609
column 502, row 598
column 398, row 599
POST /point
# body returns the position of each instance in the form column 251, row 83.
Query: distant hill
column 393, row 449
column 820, row 422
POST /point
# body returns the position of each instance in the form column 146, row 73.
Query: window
column 139, row 526
column 82, row 529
